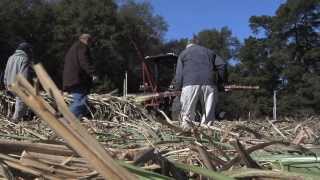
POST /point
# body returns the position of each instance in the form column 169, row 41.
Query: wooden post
column 275, row 105
column 125, row 85
column 124, row 88
column 126, row 80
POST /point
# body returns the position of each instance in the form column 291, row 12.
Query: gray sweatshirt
column 17, row 63
column 196, row 66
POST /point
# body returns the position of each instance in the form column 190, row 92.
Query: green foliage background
column 282, row 54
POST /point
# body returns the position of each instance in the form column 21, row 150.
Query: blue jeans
column 79, row 104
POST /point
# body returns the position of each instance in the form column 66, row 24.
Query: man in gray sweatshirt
column 18, row 63
column 195, row 77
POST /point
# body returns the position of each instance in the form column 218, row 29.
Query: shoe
column 209, row 123
column 16, row 121
column 206, row 123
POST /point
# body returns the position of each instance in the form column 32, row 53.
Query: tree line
column 282, row 54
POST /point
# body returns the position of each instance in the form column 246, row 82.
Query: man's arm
column 84, row 62
column 25, row 68
column 178, row 78
column 221, row 67
column 5, row 76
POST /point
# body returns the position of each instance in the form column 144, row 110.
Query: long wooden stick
column 15, row 163
column 204, row 156
column 277, row 130
column 35, row 163
column 73, row 122
column 13, row 147
column 68, row 127
column 70, row 120
column 62, row 130
column 59, row 159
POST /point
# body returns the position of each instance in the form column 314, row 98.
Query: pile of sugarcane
column 6, row 104
column 227, row 151
column 103, row 106
column 157, row 148
column 222, row 151
column 111, row 117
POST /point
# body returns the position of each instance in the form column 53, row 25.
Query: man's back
column 17, row 63
column 77, row 68
column 196, row 66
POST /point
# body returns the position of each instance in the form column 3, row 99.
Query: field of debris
column 134, row 144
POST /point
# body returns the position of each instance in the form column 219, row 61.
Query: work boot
column 209, row 123
column 15, row 121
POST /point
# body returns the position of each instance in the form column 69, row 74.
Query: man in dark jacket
column 78, row 74
column 195, row 76
column 18, row 63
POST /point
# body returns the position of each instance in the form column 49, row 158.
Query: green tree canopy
column 282, row 54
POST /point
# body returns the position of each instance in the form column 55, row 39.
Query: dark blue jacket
column 196, row 66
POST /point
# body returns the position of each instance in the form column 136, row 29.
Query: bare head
column 85, row 39
column 194, row 40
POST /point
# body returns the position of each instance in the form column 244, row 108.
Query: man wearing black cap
column 18, row 63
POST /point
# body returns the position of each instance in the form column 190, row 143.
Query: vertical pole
column 126, row 84
column 274, row 105
column 124, row 87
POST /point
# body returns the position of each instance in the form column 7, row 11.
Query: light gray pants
column 20, row 109
column 208, row 96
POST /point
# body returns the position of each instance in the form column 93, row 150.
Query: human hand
column 95, row 78
column 221, row 88
column 171, row 87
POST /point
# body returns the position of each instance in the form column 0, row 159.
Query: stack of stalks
column 144, row 146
